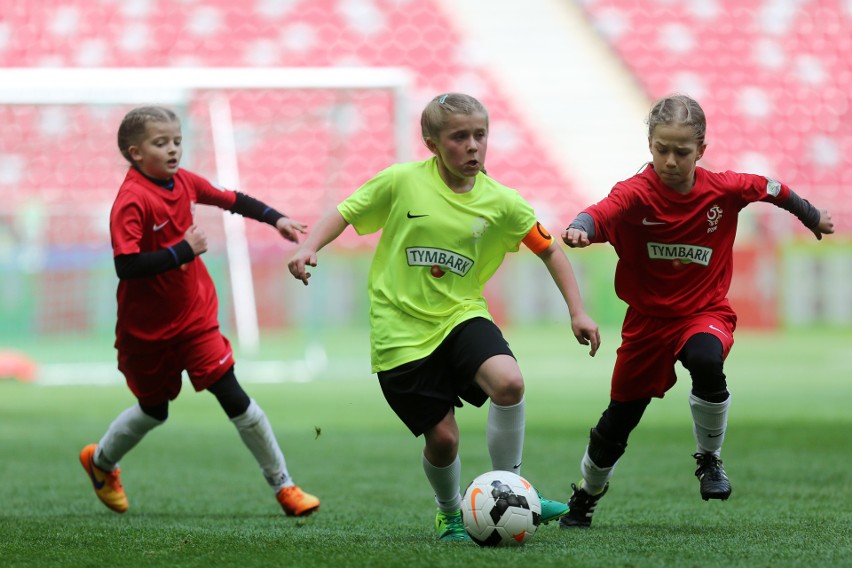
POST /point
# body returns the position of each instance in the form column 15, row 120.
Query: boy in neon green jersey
column 446, row 227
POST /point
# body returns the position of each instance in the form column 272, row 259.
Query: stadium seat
column 773, row 78
column 220, row 33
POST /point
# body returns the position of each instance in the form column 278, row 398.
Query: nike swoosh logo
column 158, row 227
column 713, row 327
column 716, row 436
column 646, row 222
column 225, row 358
column 98, row 484
column 410, row 216
column 473, row 495
column 517, row 465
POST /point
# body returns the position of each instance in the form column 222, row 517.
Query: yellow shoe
column 107, row 484
column 297, row 503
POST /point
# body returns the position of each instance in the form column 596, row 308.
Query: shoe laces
column 709, row 465
column 580, row 501
column 452, row 518
column 452, row 522
column 290, row 493
column 113, row 479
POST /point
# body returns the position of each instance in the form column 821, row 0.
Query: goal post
column 213, row 88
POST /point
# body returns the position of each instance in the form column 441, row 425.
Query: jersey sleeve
column 368, row 207
column 126, row 220
column 538, row 239
column 607, row 212
column 210, row 194
column 759, row 188
column 520, row 222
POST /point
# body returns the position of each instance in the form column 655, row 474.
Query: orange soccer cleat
column 297, row 503
column 107, row 484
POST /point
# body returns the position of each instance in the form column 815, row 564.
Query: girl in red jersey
column 167, row 307
column 673, row 227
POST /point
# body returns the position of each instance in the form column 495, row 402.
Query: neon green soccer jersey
column 437, row 250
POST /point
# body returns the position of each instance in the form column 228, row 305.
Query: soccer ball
column 500, row 508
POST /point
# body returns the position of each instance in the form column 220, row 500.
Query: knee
column 509, row 389
column 442, row 443
column 231, row 396
column 708, row 376
column 444, row 437
column 702, row 355
column 703, row 363
column 158, row 412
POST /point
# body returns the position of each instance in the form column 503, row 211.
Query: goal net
column 299, row 139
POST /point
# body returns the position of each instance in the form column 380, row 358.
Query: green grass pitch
column 198, row 499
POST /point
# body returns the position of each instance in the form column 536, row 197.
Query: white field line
column 313, row 366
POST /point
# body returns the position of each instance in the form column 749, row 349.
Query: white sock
column 504, row 433
column 709, row 420
column 256, row 432
column 594, row 478
column 445, row 483
column 122, row 436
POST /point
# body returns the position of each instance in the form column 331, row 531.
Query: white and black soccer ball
column 501, row 508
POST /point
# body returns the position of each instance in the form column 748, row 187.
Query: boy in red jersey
column 673, row 227
column 168, row 310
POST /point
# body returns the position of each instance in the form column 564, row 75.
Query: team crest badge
column 714, row 215
column 480, row 224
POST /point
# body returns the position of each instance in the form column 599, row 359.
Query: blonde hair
column 679, row 110
column 134, row 124
column 434, row 116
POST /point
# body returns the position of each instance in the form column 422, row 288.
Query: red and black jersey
column 674, row 250
column 146, row 217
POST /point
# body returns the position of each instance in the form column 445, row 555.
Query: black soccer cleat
column 581, row 508
column 711, row 475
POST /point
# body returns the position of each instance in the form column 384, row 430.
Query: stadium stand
column 219, row 33
column 774, row 77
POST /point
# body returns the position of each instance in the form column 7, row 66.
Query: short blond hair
column 134, row 124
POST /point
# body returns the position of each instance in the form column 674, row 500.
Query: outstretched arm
column 327, row 229
column 585, row 329
column 248, row 206
column 817, row 220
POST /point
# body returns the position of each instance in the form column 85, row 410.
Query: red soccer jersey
column 145, row 218
column 675, row 251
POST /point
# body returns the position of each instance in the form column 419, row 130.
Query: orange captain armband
column 538, row 239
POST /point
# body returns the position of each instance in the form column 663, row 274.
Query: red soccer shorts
column 645, row 361
column 154, row 377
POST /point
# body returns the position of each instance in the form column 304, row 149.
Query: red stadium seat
column 297, row 172
column 744, row 54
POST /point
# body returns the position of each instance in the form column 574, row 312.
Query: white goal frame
column 177, row 85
